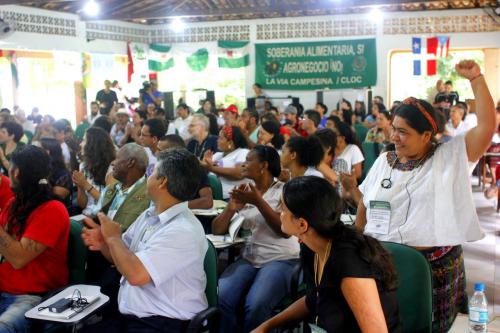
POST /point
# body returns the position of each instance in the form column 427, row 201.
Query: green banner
column 316, row 65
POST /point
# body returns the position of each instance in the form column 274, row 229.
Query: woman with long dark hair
column 269, row 135
column 34, row 230
column 98, row 152
column 351, row 278
column 60, row 177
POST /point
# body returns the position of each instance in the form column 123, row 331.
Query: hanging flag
column 86, row 69
column 416, row 45
column 198, row 61
column 160, row 58
column 432, row 44
column 443, row 46
column 416, row 67
column 130, row 64
column 233, row 54
column 13, row 67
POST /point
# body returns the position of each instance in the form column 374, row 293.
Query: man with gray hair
column 161, row 255
column 123, row 202
column 202, row 140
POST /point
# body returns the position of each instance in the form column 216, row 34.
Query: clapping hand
column 207, row 160
column 109, row 228
column 79, row 179
column 468, row 69
column 247, row 194
column 92, row 236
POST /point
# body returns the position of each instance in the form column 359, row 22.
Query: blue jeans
column 12, row 310
column 261, row 288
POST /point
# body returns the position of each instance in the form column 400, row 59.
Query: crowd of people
column 287, row 174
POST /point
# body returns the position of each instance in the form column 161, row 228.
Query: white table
column 85, row 290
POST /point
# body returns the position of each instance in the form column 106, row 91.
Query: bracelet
column 90, row 188
column 475, row 77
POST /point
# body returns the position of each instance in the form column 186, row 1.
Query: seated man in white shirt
column 456, row 125
column 182, row 121
column 160, row 256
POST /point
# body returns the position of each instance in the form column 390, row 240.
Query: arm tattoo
column 5, row 240
column 32, row 246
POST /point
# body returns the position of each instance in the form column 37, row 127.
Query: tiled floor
column 482, row 258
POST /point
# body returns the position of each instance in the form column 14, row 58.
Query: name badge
column 379, row 217
column 316, row 329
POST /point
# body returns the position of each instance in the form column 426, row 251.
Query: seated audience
column 349, row 158
column 250, row 119
column 201, row 140
column 322, row 109
column 346, row 114
column 456, row 125
column 359, row 111
column 231, row 114
column 60, row 177
column 301, row 156
column 203, row 198
column 160, row 256
column 351, row 279
column 122, row 202
column 119, row 128
column 371, row 118
column 381, row 132
column 104, row 122
column 133, row 129
column 260, row 279
column 182, row 121
column 10, row 135
column 64, row 132
column 34, row 231
column 226, row 164
column 151, row 111
column 328, row 140
column 311, row 121
column 291, row 113
column 95, row 170
column 269, row 135
column 152, row 131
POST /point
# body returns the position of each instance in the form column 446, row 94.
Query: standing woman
column 427, row 192
column 98, row 152
column 226, row 164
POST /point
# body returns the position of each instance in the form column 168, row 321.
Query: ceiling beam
column 31, row 2
column 274, row 7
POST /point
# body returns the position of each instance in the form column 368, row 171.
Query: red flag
column 1, row 53
column 431, row 67
column 130, row 63
column 432, row 44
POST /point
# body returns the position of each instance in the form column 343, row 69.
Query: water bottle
column 478, row 310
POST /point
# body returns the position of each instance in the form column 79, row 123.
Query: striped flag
column 130, row 67
column 160, row 58
column 443, row 46
column 429, row 56
column 233, row 54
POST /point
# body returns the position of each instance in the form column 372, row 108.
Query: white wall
column 386, row 43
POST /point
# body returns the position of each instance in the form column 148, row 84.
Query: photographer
column 149, row 94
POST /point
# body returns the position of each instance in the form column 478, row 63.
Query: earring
column 262, row 171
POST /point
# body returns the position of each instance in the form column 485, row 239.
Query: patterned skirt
column 448, row 285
